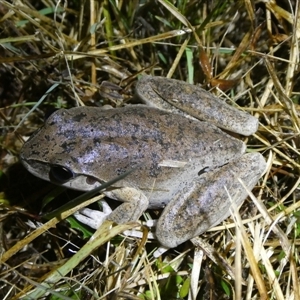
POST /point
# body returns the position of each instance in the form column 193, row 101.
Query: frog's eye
column 59, row 174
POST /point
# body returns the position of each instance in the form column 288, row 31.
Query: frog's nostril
column 60, row 175
column 91, row 180
column 202, row 171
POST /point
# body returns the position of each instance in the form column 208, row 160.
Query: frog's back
column 139, row 134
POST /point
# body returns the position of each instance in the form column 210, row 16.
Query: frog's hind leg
column 204, row 202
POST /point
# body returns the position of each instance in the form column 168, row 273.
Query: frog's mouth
column 38, row 169
column 81, row 183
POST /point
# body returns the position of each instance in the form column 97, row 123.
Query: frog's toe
column 105, row 207
column 93, row 218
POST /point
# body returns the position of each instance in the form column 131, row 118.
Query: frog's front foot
column 134, row 204
column 93, row 218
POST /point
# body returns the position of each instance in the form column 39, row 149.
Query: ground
column 91, row 53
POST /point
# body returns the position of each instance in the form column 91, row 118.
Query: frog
column 179, row 143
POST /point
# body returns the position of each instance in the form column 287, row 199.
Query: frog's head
column 60, row 174
column 49, row 155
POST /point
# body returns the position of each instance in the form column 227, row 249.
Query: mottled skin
column 169, row 150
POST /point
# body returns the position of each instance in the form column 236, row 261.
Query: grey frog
column 184, row 165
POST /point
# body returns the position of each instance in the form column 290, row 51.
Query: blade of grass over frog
column 54, row 86
column 102, row 235
column 40, row 230
column 85, row 196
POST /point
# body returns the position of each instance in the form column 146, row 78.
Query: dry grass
column 73, row 52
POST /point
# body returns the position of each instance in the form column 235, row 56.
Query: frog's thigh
column 134, row 204
column 204, row 202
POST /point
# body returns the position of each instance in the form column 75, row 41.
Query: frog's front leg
column 133, row 206
column 205, row 201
